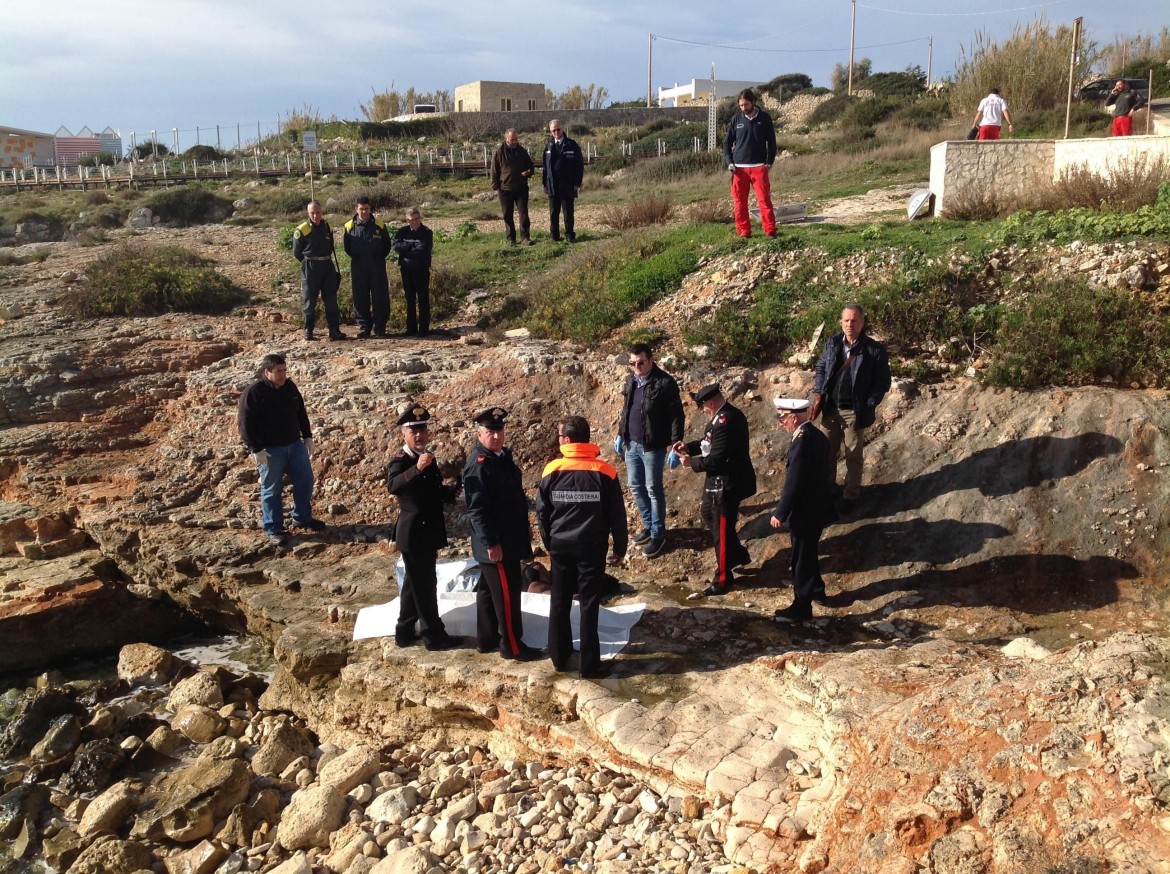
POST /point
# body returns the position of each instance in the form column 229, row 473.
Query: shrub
column 1068, row 333
column 466, row 229
column 650, row 209
column 96, row 198
column 923, row 114
column 747, row 337
column 203, row 152
column 787, row 85
column 284, row 204
column 672, row 168
column 908, row 83
column 150, row 281
column 99, row 159
column 831, row 110
column 1087, row 224
column 974, row 204
column 708, row 212
column 867, row 113
column 148, row 150
column 1120, row 189
column 189, row 205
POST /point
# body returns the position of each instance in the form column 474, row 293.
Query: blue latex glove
column 618, row 444
column 672, row 459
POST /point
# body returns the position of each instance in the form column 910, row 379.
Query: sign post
column 309, row 144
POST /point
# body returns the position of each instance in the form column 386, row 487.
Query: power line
column 961, row 14
column 711, row 45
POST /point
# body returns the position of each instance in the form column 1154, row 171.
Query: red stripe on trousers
column 722, row 557
column 512, row 645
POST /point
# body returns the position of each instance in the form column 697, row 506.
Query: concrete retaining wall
column 1011, row 168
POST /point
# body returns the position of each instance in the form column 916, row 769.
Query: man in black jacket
column 805, row 506
column 853, row 375
column 579, row 507
column 749, row 149
column 725, row 457
column 511, row 167
column 651, row 422
column 497, row 511
column 414, row 478
column 275, row 427
column 313, row 247
column 367, row 243
column 564, row 173
column 414, row 243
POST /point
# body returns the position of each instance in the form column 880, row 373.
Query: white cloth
column 992, row 108
column 457, row 609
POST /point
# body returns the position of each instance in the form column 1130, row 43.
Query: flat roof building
column 488, row 96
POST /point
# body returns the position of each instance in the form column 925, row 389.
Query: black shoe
column 845, row 506
column 744, row 558
column 654, row 547
column 526, row 654
column 556, row 239
column 309, row 335
column 511, row 242
column 572, row 238
column 819, row 596
column 381, row 335
column 600, row 673
column 487, row 647
column 527, row 241
column 337, row 335
column 714, row 591
column 403, row 641
column 276, row 538
column 311, row 524
column 794, row 612
column 363, row 334
column 446, row 641
column 642, row 536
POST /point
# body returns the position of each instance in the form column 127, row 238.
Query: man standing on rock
column 275, row 427
column 805, row 506
column 651, row 422
column 413, row 243
column 579, row 507
column 414, row 478
column 724, row 455
column 313, row 247
column 749, row 151
column 497, row 511
column 564, row 173
column 367, row 243
column 853, row 375
column 511, row 167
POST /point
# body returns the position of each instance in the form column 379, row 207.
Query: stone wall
column 575, row 119
column 478, row 96
column 1013, row 167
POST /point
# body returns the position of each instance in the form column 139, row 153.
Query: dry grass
column 706, row 212
column 1121, row 189
column 650, row 209
column 974, row 204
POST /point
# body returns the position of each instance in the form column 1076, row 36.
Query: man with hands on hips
column 274, row 425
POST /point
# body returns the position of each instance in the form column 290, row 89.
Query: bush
column 1086, row 224
column 1121, row 189
column 651, row 209
column 673, row 168
column 204, row 152
column 284, row 203
column 908, row 83
column 100, row 159
column 151, row 281
column 974, row 204
column 867, row 113
column 923, row 114
column 708, row 212
column 147, row 150
column 189, row 205
column 747, row 337
column 1068, row 333
column 831, row 110
column 787, row 85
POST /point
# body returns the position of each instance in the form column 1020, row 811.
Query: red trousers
column 1123, row 126
column 742, row 180
column 989, row 132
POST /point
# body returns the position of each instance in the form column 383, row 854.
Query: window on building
column 532, row 105
column 459, row 106
column 505, row 104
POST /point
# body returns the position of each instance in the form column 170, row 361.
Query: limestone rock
column 112, row 856
column 186, row 803
column 200, row 688
column 279, row 749
column 198, row 724
column 107, row 812
column 394, row 805
column 409, row 860
column 200, row 859
column 353, row 767
column 311, row 815
column 61, row 739
column 1025, row 648
column 140, row 218
column 146, row 664
column 297, row 864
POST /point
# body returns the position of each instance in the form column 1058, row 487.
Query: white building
column 698, row 91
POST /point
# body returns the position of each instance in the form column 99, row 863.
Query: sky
column 164, row 65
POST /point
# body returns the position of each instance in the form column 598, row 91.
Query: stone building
column 485, row 96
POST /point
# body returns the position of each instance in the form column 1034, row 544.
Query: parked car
column 1099, row 89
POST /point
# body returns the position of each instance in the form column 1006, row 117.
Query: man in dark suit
column 414, row 478
column 497, row 511
column 564, row 173
column 805, row 507
column 725, row 457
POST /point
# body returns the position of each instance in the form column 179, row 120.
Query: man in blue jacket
column 853, row 375
column 414, row 242
column 367, row 243
column 564, row 173
column 805, row 506
column 579, row 507
column 748, row 151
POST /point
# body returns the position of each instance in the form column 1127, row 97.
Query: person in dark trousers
column 852, row 377
column 725, row 457
column 651, row 422
column 511, row 167
column 367, row 243
column 313, row 247
column 805, row 506
column 1124, row 101
column 414, row 243
column 564, row 173
column 579, row 507
column 497, row 512
column 749, row 150
column 275, row 427
column 414, row 479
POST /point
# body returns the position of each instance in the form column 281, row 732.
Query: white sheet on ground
column 457, row 608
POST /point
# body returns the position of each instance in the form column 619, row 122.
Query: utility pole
column 712, row 102
column 929, row 57
column 852, row 31
column 1072, row 68
column 649, row 68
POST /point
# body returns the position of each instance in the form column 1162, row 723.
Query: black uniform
column 313, row 247
column 579, row 506
column 730, row 478
column 564, row 173
column 414, row 263
column 419, row 534
column 497, row 511
column 805, row 508
column 368, row 244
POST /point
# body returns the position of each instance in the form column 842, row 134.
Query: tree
column 786, row 85
column 839, row 80
column 382, row 105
